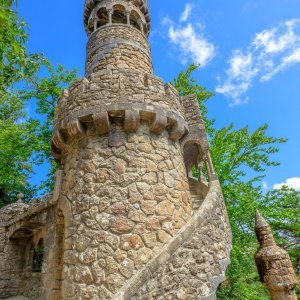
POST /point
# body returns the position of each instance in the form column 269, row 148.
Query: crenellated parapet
column 126, row 98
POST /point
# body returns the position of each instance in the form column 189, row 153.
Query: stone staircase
column 198, row 190
column 196, row 199
column 193, row 263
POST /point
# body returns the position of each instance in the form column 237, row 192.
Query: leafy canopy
column 24, row 141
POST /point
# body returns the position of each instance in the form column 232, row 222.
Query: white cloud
column 293, row 183
column 240, row 75
column 265, row 185
column 270, row 52
column 192, row 45
column 185, row 15
column 167, row 21
column 189, row 39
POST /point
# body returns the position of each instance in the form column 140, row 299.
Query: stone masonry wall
column 128, row 195
column 197, row 267
column 118, row 46
column 22, row 226
column 17, row 276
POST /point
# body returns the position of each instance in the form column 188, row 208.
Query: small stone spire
column 263, row 231
column 20, row 197
column 274, row 264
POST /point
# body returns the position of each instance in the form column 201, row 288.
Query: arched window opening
column 145, row 29
column 38, row 256
column 191, row 159
column 119, row 15
column 91, row 26
column 197, row 172
column 135, row 19
column 102, row 17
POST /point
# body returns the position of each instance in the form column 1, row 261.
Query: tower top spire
column 273, row 263
column 97, row 12
column 260, row 221
column 263, row 231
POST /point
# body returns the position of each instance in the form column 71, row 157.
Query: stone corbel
column 101, row 122
column 58, row 140
column 75, row 129
column 55, row 152
column 132, row 120
column 177, row 131
column 159, row 124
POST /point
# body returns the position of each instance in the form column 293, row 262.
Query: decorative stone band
column 106, row 47
column 73, row 125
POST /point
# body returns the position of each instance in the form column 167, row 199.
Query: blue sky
column 249, row 51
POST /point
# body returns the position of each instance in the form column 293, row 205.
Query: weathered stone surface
column 122, row 225
column 122, row 216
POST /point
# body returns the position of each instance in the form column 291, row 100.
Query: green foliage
column 237, row 151
column 282, row 207
column 44, row 91
column 15, row 62
column 186, row 85
column 18, row 140
column 24, row 142
column 240, row 158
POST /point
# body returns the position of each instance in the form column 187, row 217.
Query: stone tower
column 136, row 223
column 274, row 265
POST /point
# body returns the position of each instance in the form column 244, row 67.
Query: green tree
column 15, row 62
column 44, row 92
column 24, row 142
column 240, row 158
column 18, row 140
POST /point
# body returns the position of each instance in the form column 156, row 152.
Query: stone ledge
column 17, row 298
column 30, row 213
column 72, row 126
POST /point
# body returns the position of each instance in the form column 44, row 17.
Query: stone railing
column 34, row 208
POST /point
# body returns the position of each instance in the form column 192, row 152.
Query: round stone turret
column 117, row 135
column 118, row 31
